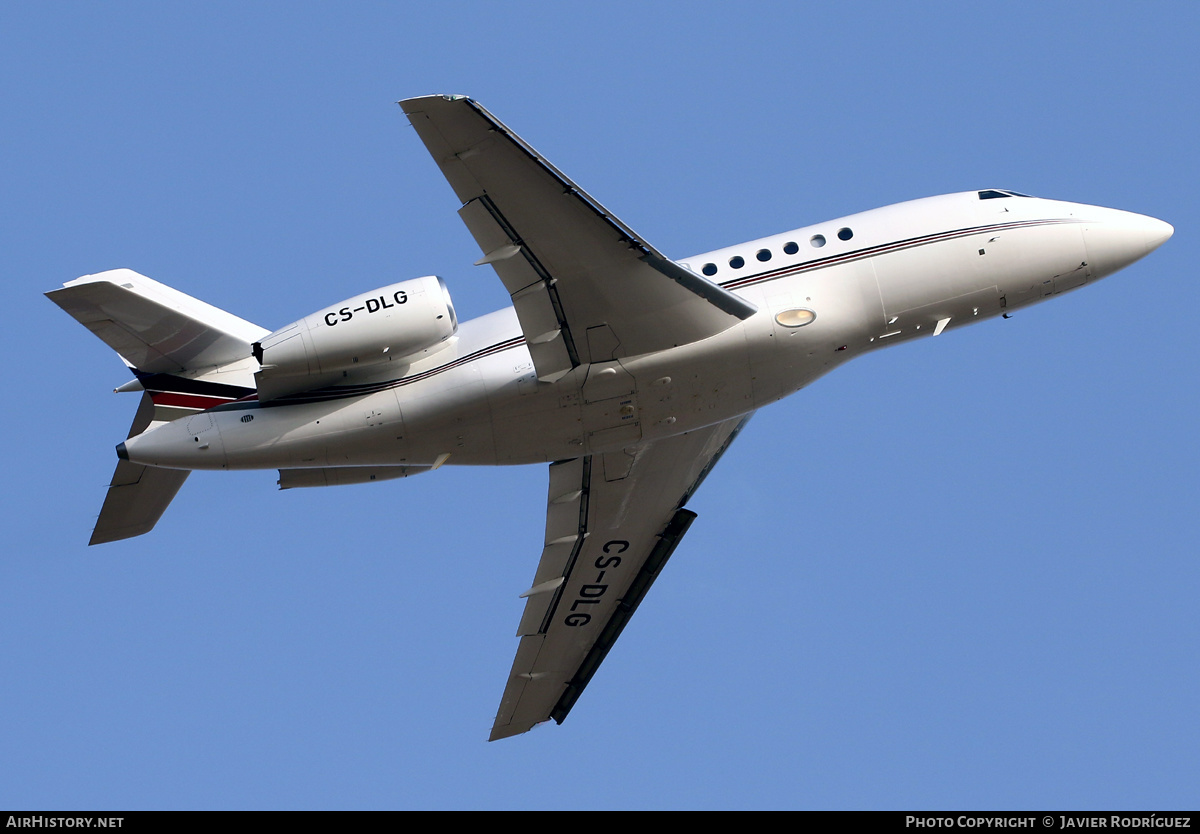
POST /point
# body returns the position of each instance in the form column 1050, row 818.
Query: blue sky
column 960, row 573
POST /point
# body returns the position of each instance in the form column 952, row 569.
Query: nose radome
column 1122, row 237
column 1159, row 232
column 1145, row 234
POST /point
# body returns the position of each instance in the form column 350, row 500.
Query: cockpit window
column 995, row 194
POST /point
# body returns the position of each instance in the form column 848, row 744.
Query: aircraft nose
column 1122, row 237
column 1159, row 232
column 1152, row 231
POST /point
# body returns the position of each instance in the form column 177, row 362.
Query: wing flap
column 531, row 288
column 566, row 514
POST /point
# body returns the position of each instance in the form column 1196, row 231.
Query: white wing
column 612, row 521
column 585, row 286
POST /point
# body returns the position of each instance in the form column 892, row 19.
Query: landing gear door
column 610, row 407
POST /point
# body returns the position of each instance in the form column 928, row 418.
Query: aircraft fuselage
column 825, row 294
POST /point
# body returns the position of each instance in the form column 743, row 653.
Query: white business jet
column 628, row 372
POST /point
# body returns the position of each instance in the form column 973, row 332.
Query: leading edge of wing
column 569, row 264
column 721, row 298
column 611, row 526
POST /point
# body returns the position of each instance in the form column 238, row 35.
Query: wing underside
column 612, row 521
column 587, row 290
column 585, row 286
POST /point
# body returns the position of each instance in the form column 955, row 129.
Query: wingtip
column 406, row 104
column 500, row 731
column 503, row 732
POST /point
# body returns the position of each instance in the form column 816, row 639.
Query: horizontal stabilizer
column 154, row 328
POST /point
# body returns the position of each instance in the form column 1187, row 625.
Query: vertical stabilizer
column 137, row 495
column 187, row 356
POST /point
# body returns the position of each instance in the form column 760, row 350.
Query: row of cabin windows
column 789, row 248
column 817, row 241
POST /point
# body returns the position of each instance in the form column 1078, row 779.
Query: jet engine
column 385, row 325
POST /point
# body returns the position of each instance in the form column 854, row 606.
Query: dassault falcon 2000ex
column 627, row 372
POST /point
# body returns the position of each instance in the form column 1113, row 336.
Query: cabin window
column 817, row 241
column 709, row 269
column 997, row 194
column 737, row 262
column 791, row 248
column 845, row 234
column 763, row 254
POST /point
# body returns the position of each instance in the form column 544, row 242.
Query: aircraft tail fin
column 137, row 495
column 186, row 355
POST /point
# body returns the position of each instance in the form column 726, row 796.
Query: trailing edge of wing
column 610, row 528
column 585, row 286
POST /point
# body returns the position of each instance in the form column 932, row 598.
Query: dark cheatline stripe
column 165, row 398
column 881, row 249
column 180, row 385
column 341, row 392
column 248, row 399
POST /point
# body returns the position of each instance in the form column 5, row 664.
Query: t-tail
column 185, row 355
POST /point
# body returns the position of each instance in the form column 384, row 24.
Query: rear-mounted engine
column 390, row 324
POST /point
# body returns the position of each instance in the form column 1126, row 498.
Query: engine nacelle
column 387, row 324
